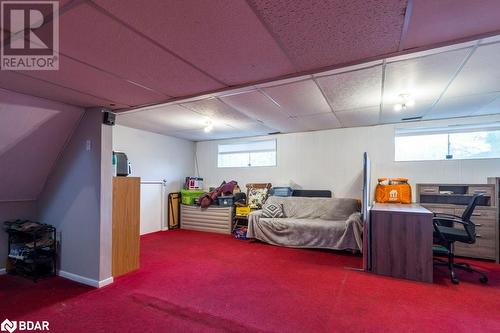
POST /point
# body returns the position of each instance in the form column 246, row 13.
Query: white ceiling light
column 208, row 127
column 406, row 101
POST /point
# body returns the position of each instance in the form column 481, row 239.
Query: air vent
column 411, row 118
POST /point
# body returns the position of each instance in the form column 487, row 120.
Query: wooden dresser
column 212, row 219
column 126, row 224
column 452, row 199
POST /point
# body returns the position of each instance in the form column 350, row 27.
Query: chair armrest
column 447, row 215
column 449, row 219
column 452, row 220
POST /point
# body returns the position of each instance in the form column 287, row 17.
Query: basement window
column 457, row 142
column 247, row 154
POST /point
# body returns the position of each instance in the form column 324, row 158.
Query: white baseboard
column 85, row 280
column 3, row 271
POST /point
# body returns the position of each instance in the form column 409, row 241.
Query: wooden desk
column 401, row 241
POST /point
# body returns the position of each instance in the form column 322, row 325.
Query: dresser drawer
column 486, row 190
column 425, row 189
column 482, row 248
column 440, row 210
column 479, row 214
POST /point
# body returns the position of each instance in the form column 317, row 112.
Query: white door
column 152, row 207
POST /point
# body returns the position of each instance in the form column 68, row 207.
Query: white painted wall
column 332, row 160
column 156, row 157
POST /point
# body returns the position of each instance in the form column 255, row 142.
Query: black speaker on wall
column 109, row 118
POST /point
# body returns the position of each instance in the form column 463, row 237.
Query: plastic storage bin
column 243, row 211
column 225, row 201
column 188, row 197
column 281, row 191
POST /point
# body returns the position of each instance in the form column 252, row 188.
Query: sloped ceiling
column 125, row 54
column 33, row 132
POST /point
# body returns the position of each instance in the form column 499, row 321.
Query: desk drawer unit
column 211, row 219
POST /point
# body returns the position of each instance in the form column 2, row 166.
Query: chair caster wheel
column 483, row 279
column 454, row 280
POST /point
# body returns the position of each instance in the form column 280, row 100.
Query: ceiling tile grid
column 299, row 98
column 359, row 117
column 462, row 106
column 481, row 73
column 423, row 78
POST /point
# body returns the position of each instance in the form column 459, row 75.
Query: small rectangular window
column 446, row 143
column 247, row 154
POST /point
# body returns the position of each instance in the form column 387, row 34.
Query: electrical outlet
column 88, row 145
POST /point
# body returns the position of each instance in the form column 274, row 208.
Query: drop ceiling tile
column 93, row 37
column 253, row 129
column 231, row 42
column 462, row 106
column 316, row 34
column 353, row 90
column 481, row 73
column 14, row 81
column 359, row 117
column 492, row 39
column 446, row 20
column 299, row 99
column 490, row 108
column 219, row 132
column 217, row 110
column 164, row 120
column 319, row 121
column 356, row 67
column 257, row 106
column 97, row 83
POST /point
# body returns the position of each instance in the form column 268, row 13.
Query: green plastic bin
column 189, row 196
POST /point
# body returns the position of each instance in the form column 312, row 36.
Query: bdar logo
column 8, row 326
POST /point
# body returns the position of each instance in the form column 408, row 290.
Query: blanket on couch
column 328, row 223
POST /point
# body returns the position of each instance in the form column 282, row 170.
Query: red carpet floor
column 201, row 282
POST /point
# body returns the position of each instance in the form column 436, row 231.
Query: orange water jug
column 393, row 190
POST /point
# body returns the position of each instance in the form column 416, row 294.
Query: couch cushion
column 340, row 209
column 302, row 208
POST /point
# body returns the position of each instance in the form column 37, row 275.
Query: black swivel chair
column 446, row 233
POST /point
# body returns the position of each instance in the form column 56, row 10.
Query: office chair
column 446, row 234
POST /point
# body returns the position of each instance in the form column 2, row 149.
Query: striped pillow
column 273, row 210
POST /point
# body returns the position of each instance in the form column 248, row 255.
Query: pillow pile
column 272, row 210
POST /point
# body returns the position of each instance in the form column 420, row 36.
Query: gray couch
column 327, row 223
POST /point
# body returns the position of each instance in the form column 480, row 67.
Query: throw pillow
column 256, row 197
column 273, row 210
